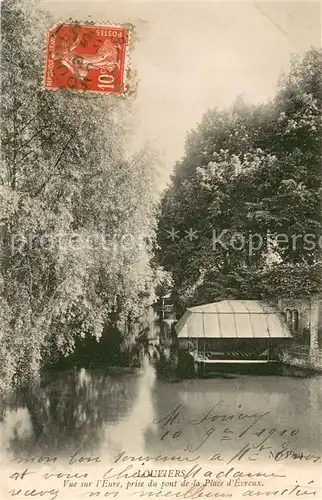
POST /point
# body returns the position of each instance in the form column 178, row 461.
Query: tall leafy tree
column 249, row 174
column 77, row 209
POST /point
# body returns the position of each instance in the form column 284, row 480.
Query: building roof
column 233, row 319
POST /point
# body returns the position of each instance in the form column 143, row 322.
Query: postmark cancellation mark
column 87, row 58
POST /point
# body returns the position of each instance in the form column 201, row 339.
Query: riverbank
column 167, row 371
column 301, row 357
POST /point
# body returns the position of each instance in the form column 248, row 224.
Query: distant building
column 154, row 325
column 162, row 319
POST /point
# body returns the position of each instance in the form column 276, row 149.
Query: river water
column 108, row 414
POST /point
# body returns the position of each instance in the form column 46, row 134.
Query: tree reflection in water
column 70, row 412
column 130, row 432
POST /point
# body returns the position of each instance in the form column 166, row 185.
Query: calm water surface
column 107, row 414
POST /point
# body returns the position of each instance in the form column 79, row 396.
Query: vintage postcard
column 160, row 250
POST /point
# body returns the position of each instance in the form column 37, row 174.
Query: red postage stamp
column 86, row 58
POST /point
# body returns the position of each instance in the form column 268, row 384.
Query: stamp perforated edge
column 130, row 80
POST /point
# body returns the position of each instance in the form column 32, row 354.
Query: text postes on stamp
column 86, row 58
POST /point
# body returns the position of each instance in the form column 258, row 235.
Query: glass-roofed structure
column 231, row 331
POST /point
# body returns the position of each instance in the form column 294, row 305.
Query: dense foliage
column 249, row 185
column 77, row 210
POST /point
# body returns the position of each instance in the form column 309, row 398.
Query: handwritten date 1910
column 174, row 426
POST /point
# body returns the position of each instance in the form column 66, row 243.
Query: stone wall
column 305, row 349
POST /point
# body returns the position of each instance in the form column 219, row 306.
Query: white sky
column 197, row 55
